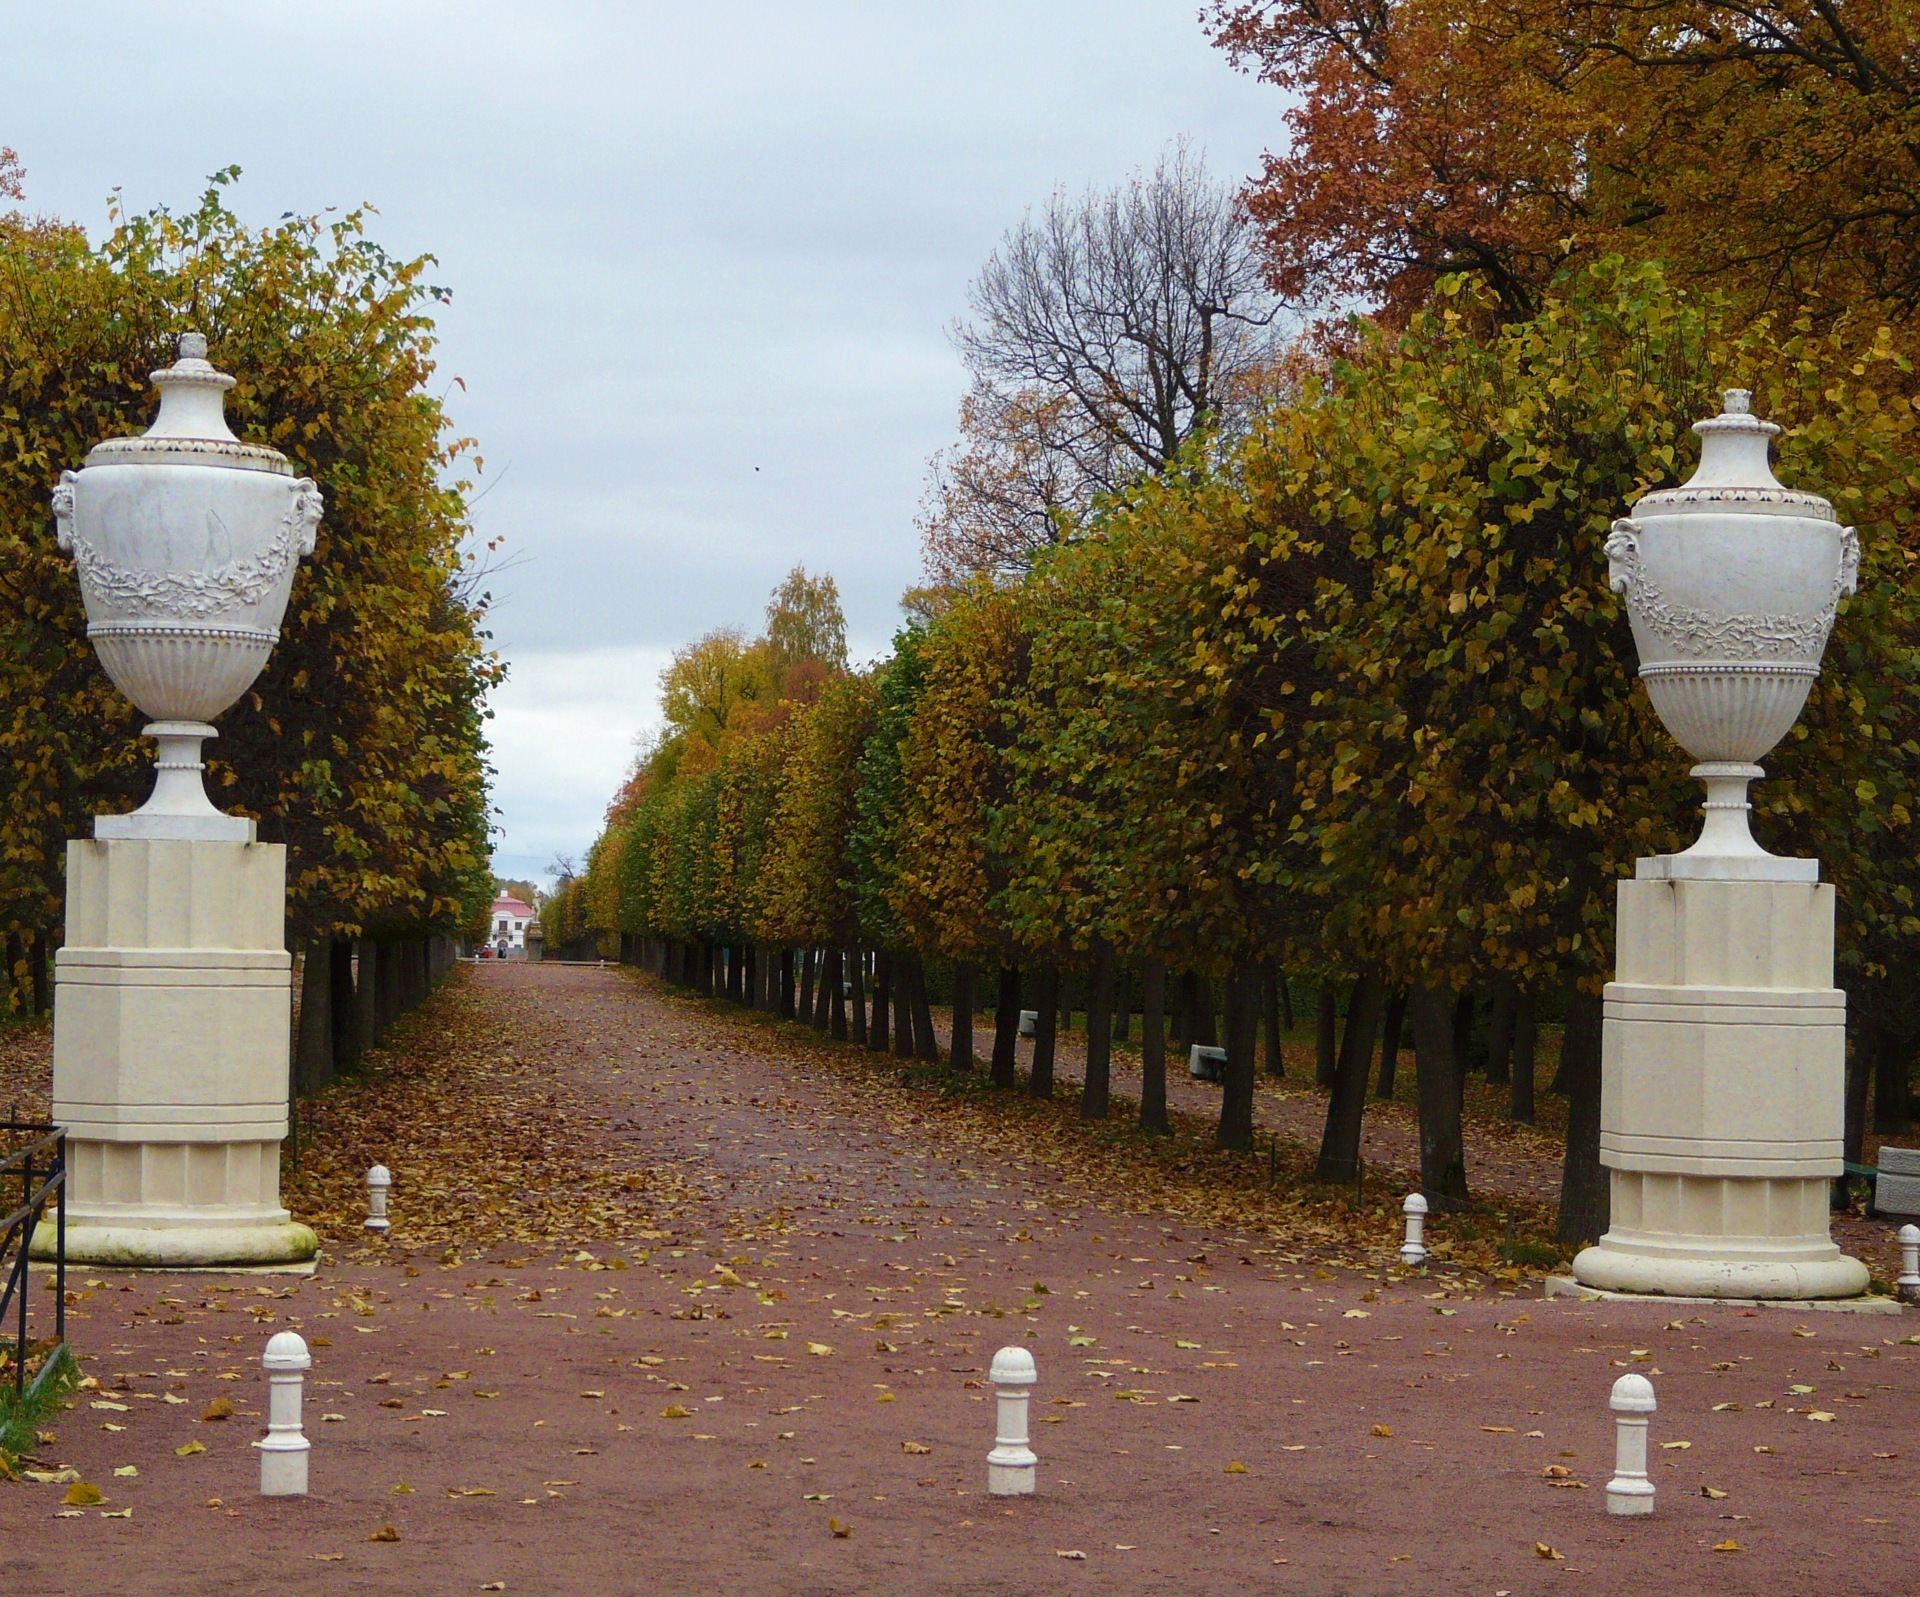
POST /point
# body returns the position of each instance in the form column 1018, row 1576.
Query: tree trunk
column 1047, row 1002
column 903, row 1006
column 1443, row 1159
column 1526, row 1034
column 386, row 964
column 1204, row 1032
column 1393, row 1022
column 1094, row 1095
column 1153, row 1046
column 313, row 1049
column 1558, row 1086
column 1583, row 1181
column 806, row 987
column 1006, row 1029
column 1270, row 985
column 1122, row 1004
column 960, row 1054
column 789, row 999
column 837, row 995
column 37, row 962
column 859, row 979
column 1186, row 999
column 879, row 1021
column 341, row 1016
column 736, row 975
column 1892, row 1085
column 1500, row 1033
column 1860, row 1062
column 1286, row 1001
column 366, row 997
column 822, row 990
column 1463, row 1032
column 16, row 975
column 1242, row 1027
column 926, row 1046
column 1326, row 1058
column 1347, row 1106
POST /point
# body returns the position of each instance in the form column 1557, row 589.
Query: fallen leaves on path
column 488, row 1143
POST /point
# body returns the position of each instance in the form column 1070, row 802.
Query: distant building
column 509, row 921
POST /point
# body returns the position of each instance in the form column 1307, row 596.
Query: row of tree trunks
column 351, row 995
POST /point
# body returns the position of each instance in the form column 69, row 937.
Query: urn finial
column 193, row 395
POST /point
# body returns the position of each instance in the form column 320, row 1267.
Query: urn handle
column 1623, row 557
column 309, row 505
column 63, row 509
column 1848, row 582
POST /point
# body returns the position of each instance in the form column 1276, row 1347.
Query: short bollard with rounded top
column 1010, row 1464
column 378, row 1180
column 1907, row 1288
column 1630, row 1492
column 1413, row 1252
column 283, row 1452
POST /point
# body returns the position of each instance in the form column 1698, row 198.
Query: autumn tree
column 361, row 746
column 1104, row 332
column 1481, row 765
column 804, row 622
column 1767, row 146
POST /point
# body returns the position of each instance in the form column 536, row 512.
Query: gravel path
column 787, row 1338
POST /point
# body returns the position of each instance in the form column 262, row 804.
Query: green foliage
column 361, row 745
column 1351, row 692
column 873, row 848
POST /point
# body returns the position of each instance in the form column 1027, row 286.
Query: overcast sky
column 703, row 260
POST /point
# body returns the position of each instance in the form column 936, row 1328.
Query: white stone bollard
column 1413, row 1252
column 1630, row 1492
column 1010, row 1464
column 1907, row 1288
column 378, row 1180
column 1029, row 1022
column 283, row 1453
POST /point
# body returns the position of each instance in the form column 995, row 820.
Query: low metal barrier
column 34, row 1175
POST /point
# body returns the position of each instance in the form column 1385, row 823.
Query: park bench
column 1207, row 1064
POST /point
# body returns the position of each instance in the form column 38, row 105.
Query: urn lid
column 191, row 429
column 1735, row 472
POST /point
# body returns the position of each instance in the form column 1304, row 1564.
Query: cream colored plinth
column 171, row 1006
column 1723, row 1072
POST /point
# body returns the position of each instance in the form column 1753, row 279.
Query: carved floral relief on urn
column 185, row 541
column 1732, row 582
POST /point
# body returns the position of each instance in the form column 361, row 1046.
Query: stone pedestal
column 1722, row 1092
column 172, row 1001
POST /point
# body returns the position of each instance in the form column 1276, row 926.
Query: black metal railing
column 34, row 1174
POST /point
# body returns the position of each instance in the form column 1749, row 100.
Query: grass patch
column 45, row 1397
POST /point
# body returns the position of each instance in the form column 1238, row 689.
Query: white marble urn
column 1732, row 582
column 185, row 541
